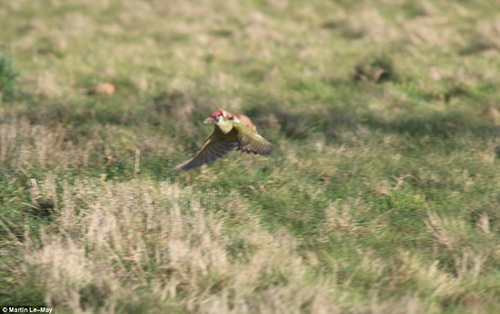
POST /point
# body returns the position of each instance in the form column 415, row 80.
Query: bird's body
column 241, row 118
column 231, row 131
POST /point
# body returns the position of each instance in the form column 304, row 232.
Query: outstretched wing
column 251, row 142
column 214, row 148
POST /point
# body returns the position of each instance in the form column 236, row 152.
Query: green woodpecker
column 231, row 131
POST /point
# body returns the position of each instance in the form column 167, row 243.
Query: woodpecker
column 230, row 131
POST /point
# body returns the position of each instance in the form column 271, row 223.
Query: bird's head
column 217, row 116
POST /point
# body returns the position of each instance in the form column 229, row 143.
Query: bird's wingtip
column 182, row 166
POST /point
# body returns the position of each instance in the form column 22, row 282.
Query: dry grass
column 124, row 237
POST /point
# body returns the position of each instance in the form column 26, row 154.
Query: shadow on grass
column 436, row 125
column 300, row 124
column 179, row 112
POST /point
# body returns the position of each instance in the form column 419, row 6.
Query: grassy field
column 382, row 195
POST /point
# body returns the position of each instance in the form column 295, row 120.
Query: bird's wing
column 214, row 148
column 251, row 142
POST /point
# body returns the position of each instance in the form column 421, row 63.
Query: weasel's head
column 217, row 116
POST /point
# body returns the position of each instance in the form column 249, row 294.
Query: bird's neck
column 225, row 126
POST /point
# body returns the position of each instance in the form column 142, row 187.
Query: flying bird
column 231, row 131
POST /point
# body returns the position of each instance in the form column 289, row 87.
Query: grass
column 381, row 196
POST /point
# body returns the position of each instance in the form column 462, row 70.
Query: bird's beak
column 209, row 120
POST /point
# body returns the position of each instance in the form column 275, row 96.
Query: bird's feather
column 252, row 142
column 214, row 148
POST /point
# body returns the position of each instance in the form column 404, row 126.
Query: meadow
column 382, row 194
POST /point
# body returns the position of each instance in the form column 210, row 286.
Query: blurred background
column 380, row 197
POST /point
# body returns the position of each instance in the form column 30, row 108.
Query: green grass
column 380, row 197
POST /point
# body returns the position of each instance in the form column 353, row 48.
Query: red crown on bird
column 221, row 112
